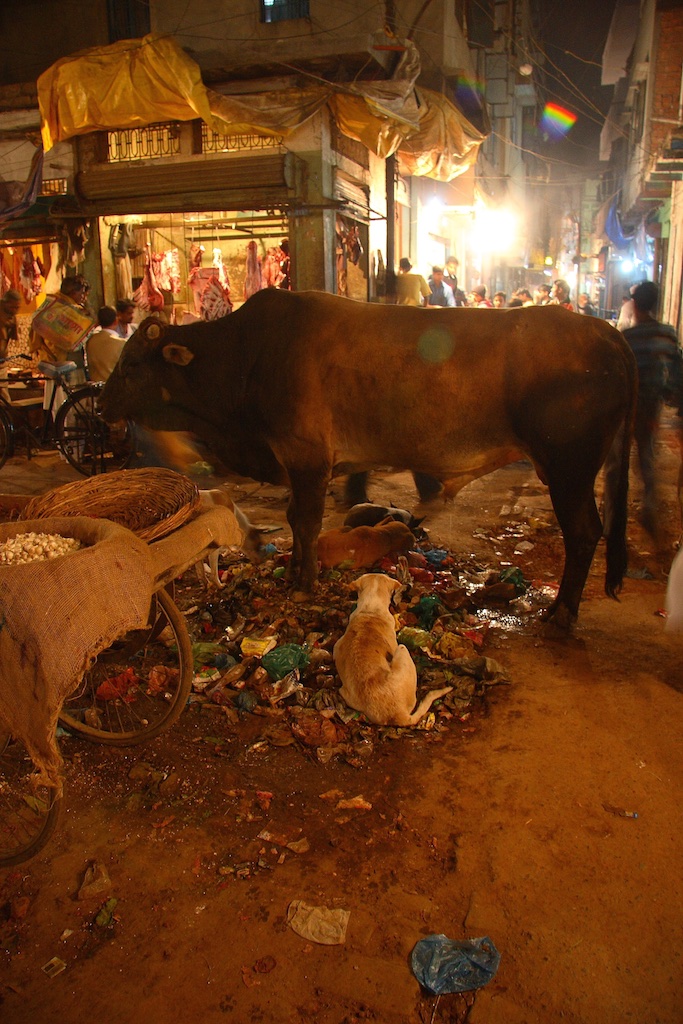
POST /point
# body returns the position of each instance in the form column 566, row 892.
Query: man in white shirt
column 104, row 345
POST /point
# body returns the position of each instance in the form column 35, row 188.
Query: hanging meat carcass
column 5, row 279
column 215, row 300
column 168, row 271
column 253, row 281
column 197, row 281
column 195, row 255
column 148, row 296
column 276, row 266
column 210, row 286
column 30, row 280
column 219, row 267
column 353, row 244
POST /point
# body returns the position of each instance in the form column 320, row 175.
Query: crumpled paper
column 319, row 924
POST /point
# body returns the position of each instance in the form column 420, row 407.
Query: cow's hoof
column 428, row 496
column 559, row 618
column 300, row 596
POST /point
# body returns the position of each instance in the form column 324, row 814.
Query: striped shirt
column 659, row 359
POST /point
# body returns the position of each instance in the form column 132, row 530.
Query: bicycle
column 75, row 428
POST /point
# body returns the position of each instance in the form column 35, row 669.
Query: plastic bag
column 516, row 576
column 414, row 638
column 443, row 965
column 427, row 610
column 279, row 662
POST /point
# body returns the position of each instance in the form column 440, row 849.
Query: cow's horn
column 177, row 354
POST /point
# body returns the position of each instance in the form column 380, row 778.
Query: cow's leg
column 573, row 498
column 305, row 516
column 428, row 487
column 356, row 489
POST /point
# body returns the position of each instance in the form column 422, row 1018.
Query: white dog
column 378, row 675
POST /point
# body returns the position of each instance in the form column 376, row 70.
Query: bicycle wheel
column 88, row 443
column 139, row 686
column 29, row 812
column 6, row 438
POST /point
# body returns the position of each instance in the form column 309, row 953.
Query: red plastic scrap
column 119, row 687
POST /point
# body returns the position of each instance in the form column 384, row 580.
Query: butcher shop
column 190, row 201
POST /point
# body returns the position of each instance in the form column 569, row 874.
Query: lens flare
column 556, row 121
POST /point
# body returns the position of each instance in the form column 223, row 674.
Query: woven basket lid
column 150, row 502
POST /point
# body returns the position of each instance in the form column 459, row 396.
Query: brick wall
column 667, row 78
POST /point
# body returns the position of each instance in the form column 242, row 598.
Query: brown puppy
column 378, row 675
column 362, row 546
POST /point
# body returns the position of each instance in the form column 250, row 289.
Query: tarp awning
column 29, row 193
column 45, row 220
column 138, row 82
column 141, row 80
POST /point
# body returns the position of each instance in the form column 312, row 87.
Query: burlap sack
column 58, row 615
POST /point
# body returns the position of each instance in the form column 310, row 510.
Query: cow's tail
column 615, row 533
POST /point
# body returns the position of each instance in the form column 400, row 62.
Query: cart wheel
column 138, row 687
column 29, row 811
column 86, row 441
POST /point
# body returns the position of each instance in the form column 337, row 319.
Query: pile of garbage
column 259, row 652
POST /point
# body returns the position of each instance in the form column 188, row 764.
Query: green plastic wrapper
column 427, row 610
column 279, row 662
column 516, row 576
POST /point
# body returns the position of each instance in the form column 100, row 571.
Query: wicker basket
column 150, row 502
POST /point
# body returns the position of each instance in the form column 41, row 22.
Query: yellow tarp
column 275, row 113
column 137, row 82
column 380, row 135
column 131, row 83
column 442, row 145
column 446, row 143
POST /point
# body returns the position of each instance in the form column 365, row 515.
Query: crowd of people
column 441, row 288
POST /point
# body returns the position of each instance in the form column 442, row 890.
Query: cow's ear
column 177, row 354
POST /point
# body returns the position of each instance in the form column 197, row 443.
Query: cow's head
column 149, row 383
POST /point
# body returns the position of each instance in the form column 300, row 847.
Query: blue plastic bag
column 443, row 965
column 436, row 557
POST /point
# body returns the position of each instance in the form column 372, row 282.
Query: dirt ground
column 502, row 822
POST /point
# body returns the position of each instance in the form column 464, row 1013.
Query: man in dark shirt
column 450, row 278
column 660, row 379
column 442, row 294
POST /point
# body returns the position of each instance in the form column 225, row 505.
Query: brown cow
column 295, row 387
